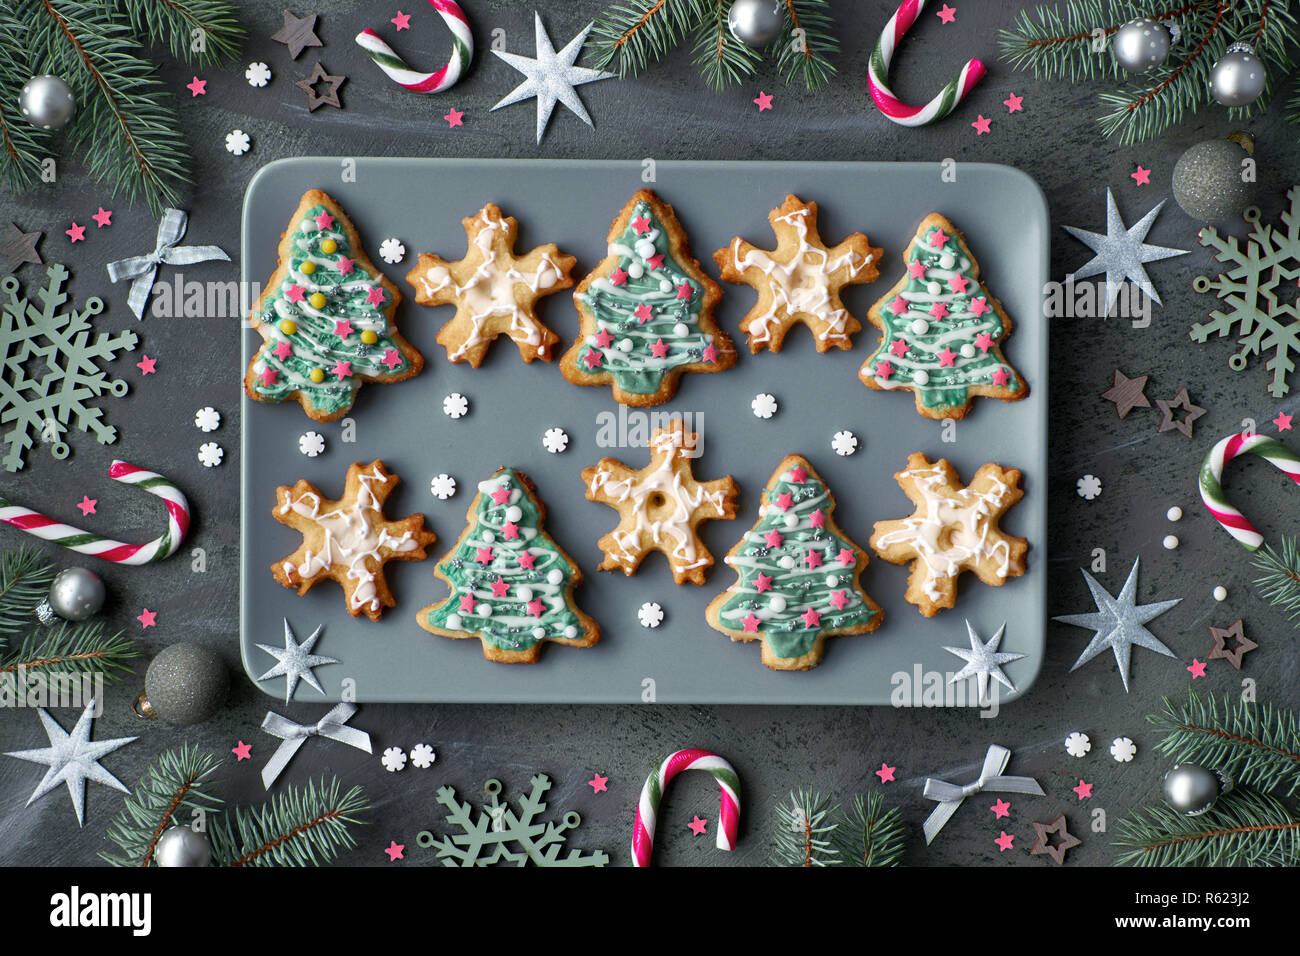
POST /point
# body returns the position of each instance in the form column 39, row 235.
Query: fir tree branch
column 1256, row 744
column 25, row 576
column 73, row 649
column 722, row 59
column 1279, row 579
column 176, row 780
column 1243, row 828
column 632, row 33
column 178, row 21
column 804, row 831
column 870, row 834
column 299, row 827
column 807, row 52
column 21, row 144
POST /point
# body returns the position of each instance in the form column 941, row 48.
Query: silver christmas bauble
column 1141, row 45
column 1238, row 77
column 1191, row 790
column 185, row 684
column 75, row 594
column 181, row 846
column 47, row 101
column 1208, row 182
column 755, row 23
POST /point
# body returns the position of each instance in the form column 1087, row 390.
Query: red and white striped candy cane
column 462, row 52
column 1211, row 480
column 878, row 74
column 643, row 831
column 84, row 542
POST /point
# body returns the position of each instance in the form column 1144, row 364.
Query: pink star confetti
column 641, row 225
column 884, row 369
column 392, row 358
column 947, row 357
column 785, row 501
column 342, row 370
column 618, row 277
column 798, row 475
column 483, row 555
column 1012, row 103
column 536, row 607
column 467, row 603
column 510, row 530
column 374, row 296
column 500, row 588
column 146, row 366
column 848, row 557
column 1004, row 841
column 939, row 310
column 343, row 328
column 656, row 261
column 981, row 124
column 946, row 14
column 1084, row 789
column 527, row 560
column 762, row 583
column 980, row 306
column 76, row 233
column 294, row 293
column 684, row 291
column 103, row 218
column 751, row 623
column 899, row 305
column 659, row 349
column 394, row 851
column 242, row 751
column 283, row 349
column 1000, row 376
column 597, row 784
column 643, row 312
column 1142, row 177
column 87, row 505
column 764, row 101
column 1283, row 422
column 501, row 495
column 402, row 21
column 603, row 338
column 147, row 618
column 817, row 519
column 840, row 600
column 593, row 359
column 454, row 118
column 958, row 284
column 698, row 825
column 268, row 375
column 984, row 342
column 811, row 618
column 886, row 773
column 710, row 354
column 1000, row 809
column 814, row 559
column 915, row 270
column 773, row 538
column 1196, row 668
column 345, row 265
column 323, row 220
column 197, row 87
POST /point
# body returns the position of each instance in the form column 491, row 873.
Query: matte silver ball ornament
column 75, row 594
column 47, row 101
column 1141, row 45
column 181, row 846
column 185, row 684
column 1191, row 790
column 1238, row 77
column 1208, row 180
column 755, row 23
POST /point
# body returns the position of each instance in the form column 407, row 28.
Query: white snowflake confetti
column 207, row 419
column 455, row 405
column 764, row 405
column 845, row 443
column 650, row 614
column 394, row 759
column 555, row 440
column 237, row 142
column 1077, row 744
column 258, row 74
column 1089, row 487
column 422, row 756
column 443, row 487
column 311, row 444
column 1123, row 749
column 210, row 453
column 392, row 251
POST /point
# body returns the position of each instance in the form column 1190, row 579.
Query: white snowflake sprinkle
column 237, row 142
column 393, row 759
column 555, row 440
column 455, row 405
column 443, row 487
column 1077, row 744
column 650, row 614
column 258, row 74
column 1088, row 487
column 422, row 756
column 1123, row 749
column 207, row 419
column 764, row 405
column 392, row 251
column 210, row 453
column 844, row 443
column 311, row 444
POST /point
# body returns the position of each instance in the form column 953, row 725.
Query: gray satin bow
column 143, row 269
column 294, row 735
column 951, row 796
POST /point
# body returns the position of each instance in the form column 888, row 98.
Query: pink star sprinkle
column 402, row 21
column 884, row 369
column 698, row 826
column 527, row 561
column 1142, row 177
column 392, row 358
column 467, row 603
column 342, row 370
column 958, row 284
column 798, row 475
column 76, row 233
column 294, row 292
column 1004, row 841
column 197, row 87
column 764, row 101
column 146, row 366
column 1283, row 422
column 597, row 784
column 916, row 269
column 346, row 265
column 323, row 220
column 981, row 125
column 103, row 218
column 684, row 291
column 536, row 607
column 1001, row 809
column 762, row 583
column 814, row 559
column 1196, row 668
column 947, row 357
column 618, row 277
column 374, row 295
column 984, row 342
column 510, row 530
column 242, row 751
column 643, row 312
column 1000, row 376
column 980, row 306
column 899, row 305
column 784, row 501
column 886, row 773
column 602, row 339
column 146, row 618
column 394, row 851
column 840, row 600
column 343, row 328
column 659, row 349
column 268, row 376
column 1012, row 103
column 898, row 347
column 847, row 557
column 939, row 310
column 773, row 538
column 751, row 623
column 592, row 359
column 501, row 496
column 1084, row 790
column 500, row 588
column 656, row 261
column 811, row 618
column 454, row 118
column 818, row 519
column 641, row 225
column 710, row 353
column 87, row 505
column 483, row 555
column 946, row 14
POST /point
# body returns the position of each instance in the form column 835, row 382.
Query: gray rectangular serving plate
column 572, row 203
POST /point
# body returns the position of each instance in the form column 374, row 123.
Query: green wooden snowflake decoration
column 50, row 368
column 500, row 835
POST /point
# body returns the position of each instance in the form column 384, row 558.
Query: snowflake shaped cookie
column 844, row 443
column 207, row 419
column 237, row 142
column 442, row 486
column 392, row 251
column 311, row 444
column 211, row 454
column 659, row 506
column 954, row 529
column 764, row 405
column 1123, row 749
column 393, row 759
column 555, row 440
column 1088, row 487
column 650, row 614
column 258, row 74
column 455, row 405
column 1077, row 744
column 422, row 756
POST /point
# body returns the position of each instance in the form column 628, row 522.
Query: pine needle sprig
column 723, row 60
column 22, row 146
column 1243, row 828
column 870, row 834
column 25, row 576
column 68, row 648
column 1279, row 570
column 629, row 35
column 198, row 32
column 805, row 828
column 178, row 780
column 300, row 827
column 1258, row 745
column 807, row 43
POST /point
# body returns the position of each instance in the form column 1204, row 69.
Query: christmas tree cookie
column 326, row 316
column 495, row 292
column 647, row 310
column 800, row 280
column 798, row 575
column 941, row 330
column 511, row 585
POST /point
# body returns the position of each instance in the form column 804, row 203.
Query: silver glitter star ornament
column 1118, row 623
column 72, row 759
column 983, row 661
column 295, row 661
column 551, row 77
column 1121, row 253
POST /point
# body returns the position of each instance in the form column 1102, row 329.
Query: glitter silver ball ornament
column 47, row 101
column 1207, row 181
column 1238, row 77
column 75, row 594
column 185, row 684
column 1191, row 790
column 755, row 23
column 181, row 846
column 1141, row 45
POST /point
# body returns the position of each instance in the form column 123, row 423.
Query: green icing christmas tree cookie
column 511, row 584
column 326, row 316
column 941, row 330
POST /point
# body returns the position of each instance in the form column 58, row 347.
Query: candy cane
column 643, row 831
column 878, row 73
column 1271, row 450
column 462, row 52
column 85, row 542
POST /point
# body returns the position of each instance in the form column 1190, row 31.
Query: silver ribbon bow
column 294, row 735
column 950, row 796
column 143, row 269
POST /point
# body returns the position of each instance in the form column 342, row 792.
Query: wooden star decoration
column 1127, row 393
column 18, row 247
column 297, row 34
column 1241, row 643
column 660, row 505
column 315, row 100
column 1056, row 850
column 1182, row 425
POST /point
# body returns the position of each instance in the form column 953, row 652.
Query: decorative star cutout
column 394, row 851
column 87, row 505
column 197, row 87
column 146, row 365
column 1004, row 841
column 1184, row 424
column 1127, row 393
column 946, row 14
column 598, row 784
column 147, row 618
column 1118, row 623
column 551, row 77
column 76, row 233
column 297, row 34
column 1084, row 789
column 1241, row 643
column 330, row 97
column 242, row 751
column 698, row 825
column 763, row 101
column 981, row 124
column 1283, row 422
column 295, row 661
column 1142, row 177
column 1056, row 850
column 885, row 773
column 104, row 217
column 983, row 661
column 72, row 759
column 1000, row 809
column 1196, row 668
column 1121, row 252
column 1013, row 103
column 18, row 247
column 454, row 117
column 402, row 21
